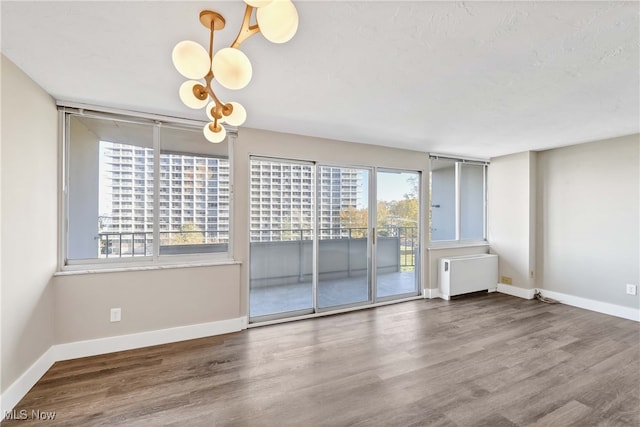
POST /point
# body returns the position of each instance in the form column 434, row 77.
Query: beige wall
column 150, row 300
column 511, row 216
column 288, row 146
column 29, row 221
column 588, row 209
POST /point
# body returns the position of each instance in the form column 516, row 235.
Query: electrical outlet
column 116, row 314
column 506, row 280
column 632, row 289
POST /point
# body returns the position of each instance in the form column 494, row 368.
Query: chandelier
column 277, row 20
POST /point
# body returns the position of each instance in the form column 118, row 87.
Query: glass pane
column 343, row 263
column 471, row 201
column 110, row 189
column 397, row 233
column 281, row 237
column 194, row 193
column 443, row 200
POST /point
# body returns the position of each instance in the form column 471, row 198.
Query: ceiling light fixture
column 277, row 20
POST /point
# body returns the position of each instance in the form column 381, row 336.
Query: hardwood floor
column 482, row 360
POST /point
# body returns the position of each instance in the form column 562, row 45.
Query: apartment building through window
column 282, row 196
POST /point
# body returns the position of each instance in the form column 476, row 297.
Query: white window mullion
column 156, row 191
column 315, row 208
column 458, row 207
column 231, row 138
column 484, row 198
column 63, row 244
column 373, row 231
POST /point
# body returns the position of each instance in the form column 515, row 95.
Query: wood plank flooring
column 481, row 360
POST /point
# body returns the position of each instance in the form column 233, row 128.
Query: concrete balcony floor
column 277, row 299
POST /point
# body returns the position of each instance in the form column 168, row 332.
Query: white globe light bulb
column 215, row 137
column 232, row 68
column 191, row 60
column 278, row 21
column 187, row 96
column 258, row 3
column 237, row 116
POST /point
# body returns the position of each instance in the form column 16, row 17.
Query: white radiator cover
column 470, row 273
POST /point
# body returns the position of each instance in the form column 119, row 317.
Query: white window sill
column 118, row 268
column 434, row 246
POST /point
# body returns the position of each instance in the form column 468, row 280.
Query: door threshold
column 332, row 312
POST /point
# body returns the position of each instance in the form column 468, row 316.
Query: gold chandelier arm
column 208, row 78
column 246, row 30
column 221, row 108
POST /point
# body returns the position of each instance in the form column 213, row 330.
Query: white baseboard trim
column 245, row 322
column 16, row 391
column 629, row 313
column 430, row 293
column 73, row 350
column 516, row 291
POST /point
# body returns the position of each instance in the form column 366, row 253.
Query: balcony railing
column 406, row 238
column 397, row 243
column 134, row 244
column 284, row 256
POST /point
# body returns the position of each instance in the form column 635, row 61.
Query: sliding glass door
column 314, row 232
column 397, row 233
column 343, row 246
column 281, row 238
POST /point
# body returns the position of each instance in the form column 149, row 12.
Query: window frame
column 156, row 123
column 458, row 241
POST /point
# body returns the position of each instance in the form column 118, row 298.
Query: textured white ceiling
column 470, row 78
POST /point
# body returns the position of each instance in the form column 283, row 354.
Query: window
column 130, row 185
column 458, row 200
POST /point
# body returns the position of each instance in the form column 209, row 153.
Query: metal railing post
column 349, row 254
column 398, row 237
column 300, row 263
